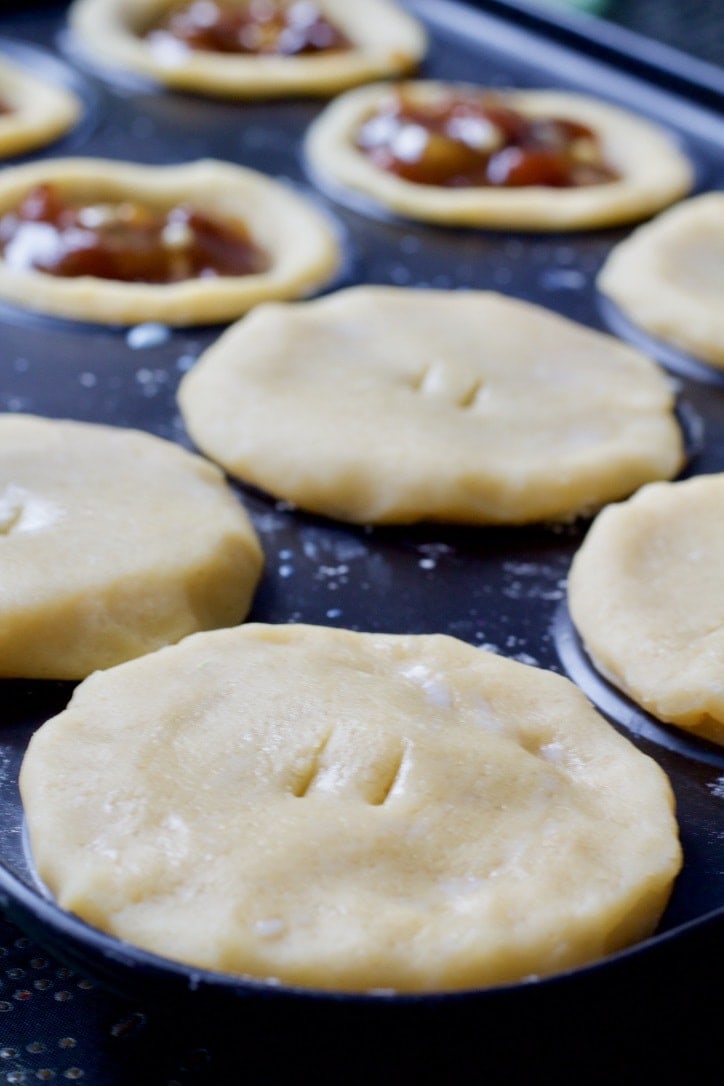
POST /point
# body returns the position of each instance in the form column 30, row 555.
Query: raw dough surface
column 113, row 543
column 40, row 111
column 351, row 811
column 668, row 277
column 393, row 405
column 387, row 41
column 646, row 593
column 653, row 170
column 300, row 240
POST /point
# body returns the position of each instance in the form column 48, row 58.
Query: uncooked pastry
column 653, row 171
column 113, row 543
column 301, row 243
column 387, row 41
column 668, row 277
column 392, row 405
column 349, row 811
column 646, row 593
column 38, row 111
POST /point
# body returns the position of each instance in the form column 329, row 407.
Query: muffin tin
column 501, row 589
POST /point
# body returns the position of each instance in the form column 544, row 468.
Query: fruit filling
column 125, row 240
column 259, row 27
column 466, row 140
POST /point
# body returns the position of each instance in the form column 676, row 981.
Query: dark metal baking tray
column 499, row 588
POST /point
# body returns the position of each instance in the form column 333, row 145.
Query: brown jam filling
column 470, row 140
column 127, row 241
column 255, row 27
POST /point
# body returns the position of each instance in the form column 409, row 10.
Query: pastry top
column 392, row 405
column 646, row 593
column 33, row 110
column 668, row 277
column 113, row 542
column 295, row 245
column 349, row 811
column 466, row 155
column 232, row 52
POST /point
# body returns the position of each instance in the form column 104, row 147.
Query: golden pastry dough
column 653, row 171
column 113, row 543
column 646, row 593
column 393, row 405
column 38, row 111
column 668, row 277
column 386, row 41
column 301, row 243
column 349, row 811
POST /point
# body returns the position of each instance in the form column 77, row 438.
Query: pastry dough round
column 393, row 405
column 646, row 594
column 41, row 111
column 113, row 543
column 653, row 170
column 349, row 811
column 300, row 240
column 668, row 277
column 387, row 41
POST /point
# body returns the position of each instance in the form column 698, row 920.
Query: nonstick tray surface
column 502, row 589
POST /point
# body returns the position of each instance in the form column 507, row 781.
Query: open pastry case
column 652, row 1009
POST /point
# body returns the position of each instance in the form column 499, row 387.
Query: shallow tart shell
column 653, row 172
column 387, row 41
column 301, row 242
